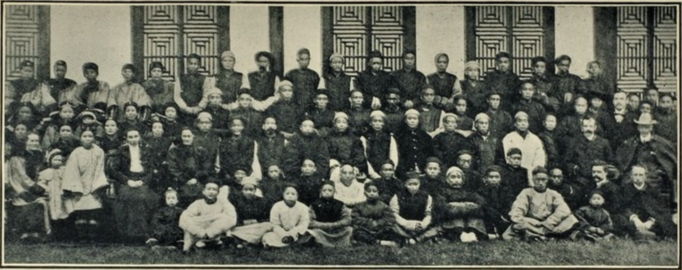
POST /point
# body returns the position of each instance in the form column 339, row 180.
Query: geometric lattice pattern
column 172, row 32
column 358, row 30
column 647, row 48
column 665, row 49
column 517, row 30
column 22, row 38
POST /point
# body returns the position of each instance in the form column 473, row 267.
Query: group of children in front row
column 410, row 216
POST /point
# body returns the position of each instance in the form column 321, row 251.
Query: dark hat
column 434, row 160
column 303, row 51
column 374, row 54
column 412, row 52
column 321, row 92
column 243, row 91
column 502, row 55
column 465, row 151
column 129, row 66
column 493, row 168
column 597, row 191
column 411, row 175
column 171, row 104
column 60, row 63
column 393, row 90
column 266, row 54
column 156, row 64
column 194, row 56
column 514, row 151
column 91, row 65
column 562, row 58
column 27, row 63
column 537, row 59
column 388, row 161
column 540, row 169
column 667, row 95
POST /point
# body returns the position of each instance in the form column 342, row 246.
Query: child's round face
column 540, row 68
column 412, row 120
column 25, row 113
column 157, row 129
column 493, row 178
column 580, row 105
column 127, row 74
column 66, row 112
column 307, row 127
column 156, row 73
column 377, row 123
column 171, row 113
column 527, row 91
column 455, row 179
column 249, row 191
column 211, row 190
column 514, row 160
column 245, row 101
column 596, row 102
column 303, row 60
column 449, row 123
column 65, row 131
column 171, row 199
column 376, row 64
column 227, row 63
column 321, row 101
column 110, row 127
column 371, row 192
column 239, row 175
column 550, row 122
column 290, row 194
column 237, row 126
column 387, row 171
column 596, row 200
column 412, row 185
column 131, row 113
column 341, row 125
column 432, row 169
column 20, row 131
column 57, row 161
column 337, row 64
column 193, row 65
column 27, row 72
column 287, row 92
column 461, row 106
column 645, row 108
column 308, row 167
column 87, row 120
column 90, row 74
column 204, row 125
column 274, row 172
column 327, row 191
column 428, row 96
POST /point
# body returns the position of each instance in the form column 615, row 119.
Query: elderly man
column 655, row 153
column 585, row 149
column 538, row 212
column 644, row 216
column 348, row 189
column 530, row 144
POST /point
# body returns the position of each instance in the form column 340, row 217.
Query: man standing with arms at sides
column 503, row 80
column 566, row 85
column 374, row 81
column 408, row 79
column 60, row 86
column 189, row 90
column 305, row 80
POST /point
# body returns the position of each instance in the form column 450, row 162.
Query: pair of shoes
column 388, row 243
column 200, row 244
column 492, row 236
column 151, row 242
column 468, row 237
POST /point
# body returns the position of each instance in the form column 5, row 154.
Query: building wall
column 84, row 33
column 92, row 33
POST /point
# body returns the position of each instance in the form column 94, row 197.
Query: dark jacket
column 188, row 161
column 305, row 83
column 373, row 85
column 414, row 147
column 119, row 164
column 338, row 87
column 663, row 153
column 303, row 147
column 447, row 144
column 583, row 152
column 347, row 148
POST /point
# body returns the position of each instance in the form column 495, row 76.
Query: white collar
column 645, row 138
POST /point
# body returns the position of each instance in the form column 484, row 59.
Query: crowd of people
column 385, row 158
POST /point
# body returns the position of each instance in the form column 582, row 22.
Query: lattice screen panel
column 665, row 49
column 358, row 30
column 23, row 40
column 173, row 32
column 517, row 30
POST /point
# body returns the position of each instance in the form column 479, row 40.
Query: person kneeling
column 538, row 212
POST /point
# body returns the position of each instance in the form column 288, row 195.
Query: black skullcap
column 266, row 54
column 493, row 168
column 388, row 161
column 502, row 55
column 194, row 56
column 406, row 52
column 540, row 169
column 91, row 65
column 393, row 90
column 374, row 54
column 27, row 63
column 131, row 67
column 303, row 51
column 60, row 63
column 514, row 151
column 434, row 159
column 562, row 58
column 411, row 175
column 156, row 64
column 465, row 151
column 243, row 91
column 537, row 59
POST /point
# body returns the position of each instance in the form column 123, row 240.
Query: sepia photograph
column 330, row 134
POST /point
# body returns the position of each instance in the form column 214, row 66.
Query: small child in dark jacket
column 595, row 221
column 373, row 219
column 165, row 229
column 412, row 208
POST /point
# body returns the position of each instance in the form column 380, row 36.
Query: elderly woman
column 188, row 166
column 131, row 168
column 460, row 209
column 28, row 213
column 82, row 184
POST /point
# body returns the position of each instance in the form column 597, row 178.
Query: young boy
column 252, row 117
column 472, row 88
column 205, row 137
column 534, row 109
column 221, row 116
column 393, row 110
column 374, row 81
column 252, row 213
column 165, row 230
column 290, row 220
column 498, row 199
column 408, row 79
column 412, row 209
column 321, row 114
column 338, row 84
column 345, row 147
column 500, row 120
column 286, row 111
column 548, row 138
column 373, row 220
column 304, row 79
column 595, row 221
column 432, row 181
column 206, row 219
column 516, row 177
column 379, row 145
column 464, row 123
column 94, row 91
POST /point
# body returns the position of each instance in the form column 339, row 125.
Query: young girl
column 111, row 139
column 290, row 219
column 373, row 220
column 273, row 184
column 51, row 180
column 252, row 213
column 64, row 115
column 206, row 219
column 412, row 209
column 159, row 146
column 131, row 118
column 464, row 122
column 330, row 219
column 461, row 210
column 164, row 227
column 88, row 121
column 595, row 221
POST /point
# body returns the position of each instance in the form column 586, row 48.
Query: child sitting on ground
column 290, row 219
column 165, row 231
column 330, row 219
column 461, row 210
column 595, row 221
column 412, row 209
column 206, row 219
column 252, row 213
column 373, row 220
